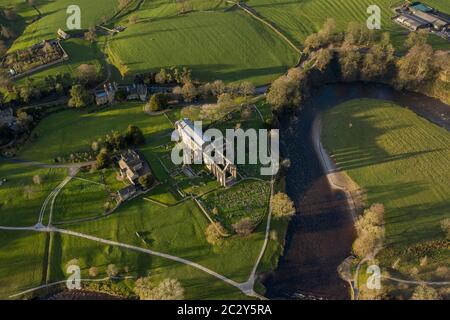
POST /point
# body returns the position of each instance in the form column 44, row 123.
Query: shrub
column 93, row 272
column 103, row 160
column 168, row 289
column 112, row 270
column 37, row 179
column 424, row 261
column 134, row 136
column 445, row 225
column 157, row 103
column 146, row 181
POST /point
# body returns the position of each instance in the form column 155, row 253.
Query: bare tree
column 416, row 66
column 445, row 226
column 189, row 91
column 214, row 233
column 90, row 35
column 87, row 73
column 282, row 206
column 424, row 292
column 168, row 289
column 244, row 227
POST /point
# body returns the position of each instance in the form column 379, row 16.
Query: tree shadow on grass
column 416, row 223
column 366, row 151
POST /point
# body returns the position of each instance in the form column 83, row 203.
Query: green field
column 299, row 18
column 213, row 39
column 20, row 198
column 54, row 16
column 401, row 161
column 71, row 131
column 80, row 52
column 216, row 45
column 21, row 261
column 197, row 284
column 176, row 228
column 83, row 197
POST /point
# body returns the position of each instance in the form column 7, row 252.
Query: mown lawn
column 298, row 19
column 20, row 198
column 21, row 261
column 197, row 284
column 74, row 130
column 54, row 16
column 401, row 161
column 177, row 230
column 80, row 199
column 216, row 45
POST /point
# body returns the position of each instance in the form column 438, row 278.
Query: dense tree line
column 359, row 54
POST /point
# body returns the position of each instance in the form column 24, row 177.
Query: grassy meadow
column 216, row 45
column 20, row 198
column 72, row 130
column 175, row 227
column 21, row 261
column 54, row 16
column 197, row 284
column 211, row 38
column 401, row 161
column 299, row 18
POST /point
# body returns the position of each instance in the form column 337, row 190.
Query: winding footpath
column 245, row 287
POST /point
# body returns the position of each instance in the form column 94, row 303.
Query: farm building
column 137, row 92
column 412, row 22
column 212, row 153
column 106, row 95
column 444, row 17
column 126, row 193
column 133, row 166
column 432, row 19
column 421, row 7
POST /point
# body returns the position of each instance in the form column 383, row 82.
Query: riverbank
column 320, row 236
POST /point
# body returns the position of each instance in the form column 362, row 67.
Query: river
column 320, row 235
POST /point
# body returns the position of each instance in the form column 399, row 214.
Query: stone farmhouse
column 107, row 95
column 132, row 166
column 137, row 92
column 211, row 152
